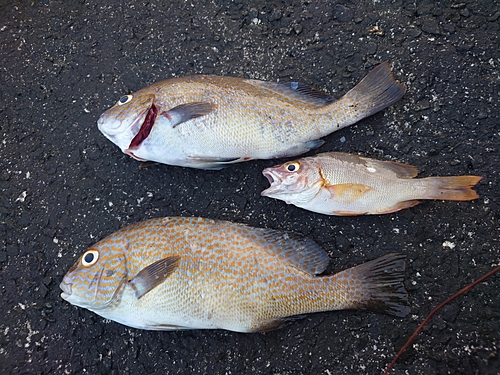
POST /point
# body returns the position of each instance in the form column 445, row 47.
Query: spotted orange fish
column 188, row 273
column 207, row 121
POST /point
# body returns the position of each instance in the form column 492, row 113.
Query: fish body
column 195, row 273
column 336, row 183
column 207, row 121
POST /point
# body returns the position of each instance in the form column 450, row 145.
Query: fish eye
column 90, row 258
column 125, row 99
column 293, row 166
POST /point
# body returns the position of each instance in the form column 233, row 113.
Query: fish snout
column 109, row 126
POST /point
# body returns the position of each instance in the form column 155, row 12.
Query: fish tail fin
column 376, row 285
column 452, row 188
column 378, row 90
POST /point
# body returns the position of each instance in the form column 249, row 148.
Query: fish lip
column 66, row 288
column 117, row 130
column 271, row 177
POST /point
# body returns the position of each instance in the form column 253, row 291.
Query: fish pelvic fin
column 153, row 275
column 378, row 90
column 376, row 285
column 452, row 188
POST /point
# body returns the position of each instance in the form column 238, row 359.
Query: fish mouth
column 145, row 128
column 66, row 288
column 273, row 180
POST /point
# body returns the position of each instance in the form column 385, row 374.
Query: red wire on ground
column 417, row 331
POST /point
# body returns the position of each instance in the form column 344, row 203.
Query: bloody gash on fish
column 336, row 183
column 194, row 273
column 207, row 121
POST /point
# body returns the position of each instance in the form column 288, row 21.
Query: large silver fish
column 187, row 273
column 336, row 183
column 207, row 121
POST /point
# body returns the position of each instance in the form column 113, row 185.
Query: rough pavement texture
column 63, row 186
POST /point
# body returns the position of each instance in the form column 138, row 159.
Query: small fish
column 336, row 183
column 195, row 273
column 208, row 122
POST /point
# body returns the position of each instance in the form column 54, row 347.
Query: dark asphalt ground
column 63, row 186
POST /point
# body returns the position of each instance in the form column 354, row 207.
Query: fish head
column 97, row 277
column 295, row 182
column 130, row 120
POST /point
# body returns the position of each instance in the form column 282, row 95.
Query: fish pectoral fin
column 153, row 275
column 188, row 111
column 348, row 193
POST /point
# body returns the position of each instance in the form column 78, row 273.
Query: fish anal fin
column 302, row 252
column 188, row 111
column 400, row 206
column 153, row 275
column 146, row 164
column 347, row 213
column 213, row 163
column 267, row 326
column 347, row 193
column 274, row 324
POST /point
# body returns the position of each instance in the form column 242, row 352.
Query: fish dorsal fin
column 153, row 275
column 302, row 252
column 295, row 93
column 188, row 111
column 400, row 170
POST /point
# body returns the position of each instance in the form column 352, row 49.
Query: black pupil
column 291, row 168
column 123, row 99
column 89, row 258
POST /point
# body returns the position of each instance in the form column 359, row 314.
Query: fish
column 177, row 273
column 342, row 184
column 209, row 121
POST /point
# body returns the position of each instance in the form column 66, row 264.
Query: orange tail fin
column 453, row 188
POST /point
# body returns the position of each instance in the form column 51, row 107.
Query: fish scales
column 208, row 121
column 217, row 274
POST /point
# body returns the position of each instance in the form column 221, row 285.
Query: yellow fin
column 400, row 206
